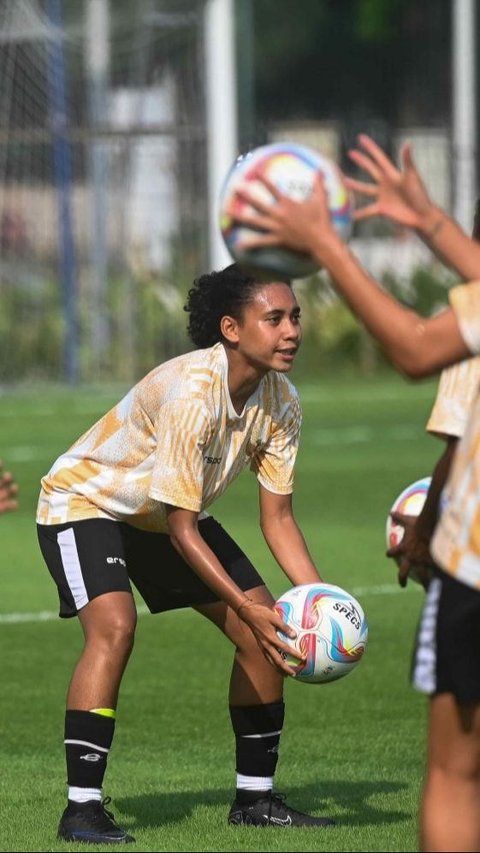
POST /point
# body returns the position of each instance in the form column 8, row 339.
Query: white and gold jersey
column 175, row 438
column 456, row 542
column 457, row 388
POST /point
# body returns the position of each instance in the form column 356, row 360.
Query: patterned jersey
column 456, row 541
column 456, row 391
column 175, row 439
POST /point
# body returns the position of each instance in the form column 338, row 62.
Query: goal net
column 103, row 210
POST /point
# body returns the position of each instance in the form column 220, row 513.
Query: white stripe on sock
column 86, row 743
column 264, row 734
column 254, row 783
column 84, row 795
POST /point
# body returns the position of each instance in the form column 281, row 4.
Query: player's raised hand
column 8, row 491
column 398, row 194
column 298, row 225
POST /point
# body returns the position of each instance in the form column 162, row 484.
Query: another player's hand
column 412, row 554
column 8, row 491
column 298, row 225
column 264, row 624
column 397, row 194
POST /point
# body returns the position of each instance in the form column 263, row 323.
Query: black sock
column 257, row 731
column 88, row 738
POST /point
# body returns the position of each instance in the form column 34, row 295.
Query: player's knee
column 117, row 634
column 245, row 644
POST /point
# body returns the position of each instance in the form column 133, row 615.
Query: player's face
column 269, row 334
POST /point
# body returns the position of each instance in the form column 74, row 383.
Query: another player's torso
column 175, row 438
column 457, row 388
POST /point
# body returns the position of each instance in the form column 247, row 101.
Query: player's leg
column 166, row 582
column 255, row 696
column 257, row 714
column 450, row 814
column 98, row 591
column 446, row 666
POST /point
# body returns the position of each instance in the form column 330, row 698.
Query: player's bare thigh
column 454, row 735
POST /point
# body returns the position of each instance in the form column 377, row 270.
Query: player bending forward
column 126, row 503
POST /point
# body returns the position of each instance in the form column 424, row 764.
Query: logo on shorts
column 116, row 560
column 91, row 756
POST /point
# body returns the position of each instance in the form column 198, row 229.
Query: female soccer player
column 447, row 656
column 127, row 503
column 448, row 419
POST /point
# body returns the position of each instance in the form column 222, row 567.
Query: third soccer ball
column 409, row 502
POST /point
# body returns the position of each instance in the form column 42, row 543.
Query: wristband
column 435, row 228
column 244, row 603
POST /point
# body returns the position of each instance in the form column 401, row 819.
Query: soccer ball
column 408, row 502
column 292, row 169
column 331, row 629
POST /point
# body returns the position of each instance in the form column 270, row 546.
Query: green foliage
column 147, row 325
column 367, row 65
column 377, row 20
column 31, row 329
column 426, row 292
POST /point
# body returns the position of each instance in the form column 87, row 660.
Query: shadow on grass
column 351, row 803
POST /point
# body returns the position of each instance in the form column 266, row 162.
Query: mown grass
column 353, row 749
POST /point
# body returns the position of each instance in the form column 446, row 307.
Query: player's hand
column 264, row 624
column 298, row 225
column 398, row 194
column 8, row 491
column 412, row 553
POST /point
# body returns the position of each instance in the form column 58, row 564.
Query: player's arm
column 413, row 551
column 456, row 392
column 401, row 195
column 416, row 345
column 263, row 621
column 285, row 539
column 426, row 520
column 8, row 491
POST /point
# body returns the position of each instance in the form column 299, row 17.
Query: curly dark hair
column 216, row 295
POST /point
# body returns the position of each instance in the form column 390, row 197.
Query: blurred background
column 119, row 121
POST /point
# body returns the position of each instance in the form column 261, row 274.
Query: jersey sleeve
column 274, row 463
column 456, row 391
column 465, row 302
column 182, row 429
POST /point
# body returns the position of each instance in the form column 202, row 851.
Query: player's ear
column 229, row 329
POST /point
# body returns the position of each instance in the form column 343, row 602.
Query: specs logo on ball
column 350, row 612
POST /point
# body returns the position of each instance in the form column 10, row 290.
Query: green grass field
column 353, row 749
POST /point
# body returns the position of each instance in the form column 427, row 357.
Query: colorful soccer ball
column 408, row 502
column 331, row 629
column 292, row 169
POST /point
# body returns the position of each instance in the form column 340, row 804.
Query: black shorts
column 447, row 650
column 94, row 556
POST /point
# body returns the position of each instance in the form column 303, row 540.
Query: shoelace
column 105, row 802
column 279, row 800
column 103, row 817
